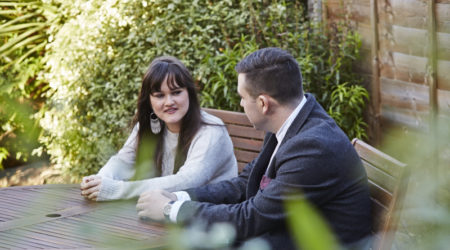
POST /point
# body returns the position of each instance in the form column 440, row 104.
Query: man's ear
column 263, row 103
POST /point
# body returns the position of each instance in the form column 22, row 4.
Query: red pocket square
column 264, row 182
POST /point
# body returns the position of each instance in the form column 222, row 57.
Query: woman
column 193, row 148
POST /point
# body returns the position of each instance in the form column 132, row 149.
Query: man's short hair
column 274, row 72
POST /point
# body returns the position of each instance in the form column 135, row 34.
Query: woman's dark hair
column 177, row 76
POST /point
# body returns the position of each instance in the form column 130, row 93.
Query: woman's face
column 170, row 105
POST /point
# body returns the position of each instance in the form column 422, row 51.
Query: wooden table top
column 57, row 216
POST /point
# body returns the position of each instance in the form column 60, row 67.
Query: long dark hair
column 177, row 76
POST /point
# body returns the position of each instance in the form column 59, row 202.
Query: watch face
column 167, row 209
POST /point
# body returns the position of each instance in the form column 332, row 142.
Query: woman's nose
column 169, row 100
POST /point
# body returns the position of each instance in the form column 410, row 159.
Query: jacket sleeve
column 227, row 192
column 210, row 157
column 299, row 175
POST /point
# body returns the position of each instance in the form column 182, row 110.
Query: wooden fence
column 405, row 58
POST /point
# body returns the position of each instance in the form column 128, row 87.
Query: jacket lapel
column 295, row 128
column 261, row 165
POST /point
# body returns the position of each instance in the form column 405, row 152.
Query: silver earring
column 155, row 124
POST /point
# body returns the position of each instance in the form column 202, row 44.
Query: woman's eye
column 158, row 95
column 177, row 92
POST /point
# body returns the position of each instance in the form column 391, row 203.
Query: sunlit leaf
column 309, row 229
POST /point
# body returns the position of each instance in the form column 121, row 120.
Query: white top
column 169, row 152
column 210, row 159
column 183, row 196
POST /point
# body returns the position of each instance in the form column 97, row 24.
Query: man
column 305, row 156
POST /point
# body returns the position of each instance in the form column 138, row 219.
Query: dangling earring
column 155, row 124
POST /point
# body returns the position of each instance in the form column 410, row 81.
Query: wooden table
column 57, row 216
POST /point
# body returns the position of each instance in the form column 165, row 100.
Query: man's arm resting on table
column 151, row 204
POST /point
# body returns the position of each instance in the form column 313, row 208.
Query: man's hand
column 151, row 204
column 90, row 186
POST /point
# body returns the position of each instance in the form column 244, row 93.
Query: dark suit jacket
column 315, row 158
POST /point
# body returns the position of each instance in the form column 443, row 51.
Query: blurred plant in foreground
column 309, row 228
column 425, row 218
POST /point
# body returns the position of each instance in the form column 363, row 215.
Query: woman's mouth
column 171, row 110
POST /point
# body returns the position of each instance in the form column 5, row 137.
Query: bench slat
column 241, row 166
column 380, row 194
column 247, row 144
column 247, row 132
column 230, row 117
column 244, row 156
column 379, row 159
column 381, row 178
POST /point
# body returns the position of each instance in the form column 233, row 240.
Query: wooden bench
column 388, row 179
column 247, row 141
column 387, row 176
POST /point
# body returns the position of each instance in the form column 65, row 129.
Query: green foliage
column 346, row 108
column 325, row 60
column 219, row 79
column 24, row 27
column 96, row 61
column 309, row 227
column 19, row 131
column 94, row 84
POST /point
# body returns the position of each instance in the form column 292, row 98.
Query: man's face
column 249, row 103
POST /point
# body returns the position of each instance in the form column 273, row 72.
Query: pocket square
column 264, row 182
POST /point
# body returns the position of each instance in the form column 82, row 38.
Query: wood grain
column 57, row 216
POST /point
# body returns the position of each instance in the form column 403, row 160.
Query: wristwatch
column 166, row 210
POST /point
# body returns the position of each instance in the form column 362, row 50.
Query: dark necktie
column 261, row 165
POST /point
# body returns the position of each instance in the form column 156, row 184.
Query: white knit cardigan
column 210, row 159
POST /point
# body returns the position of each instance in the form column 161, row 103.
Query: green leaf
column 309, row 229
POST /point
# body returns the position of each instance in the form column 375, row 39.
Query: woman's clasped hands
column 90, row 186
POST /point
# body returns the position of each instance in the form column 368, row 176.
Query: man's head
column 268, row 78
column 274, row 72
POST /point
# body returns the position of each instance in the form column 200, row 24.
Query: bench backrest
column 387, row 176
column 247, row 141
column 388, row 180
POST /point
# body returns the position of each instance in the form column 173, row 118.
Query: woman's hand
column 90, row 186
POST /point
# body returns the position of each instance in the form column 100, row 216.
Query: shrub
column 24, row 27
column 98, row 57
column 94, row 84
column 326, row 64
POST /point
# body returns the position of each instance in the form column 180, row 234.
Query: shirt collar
column 284, row 128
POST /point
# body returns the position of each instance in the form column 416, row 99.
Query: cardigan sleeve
column 121, row 165
column 210, row 159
